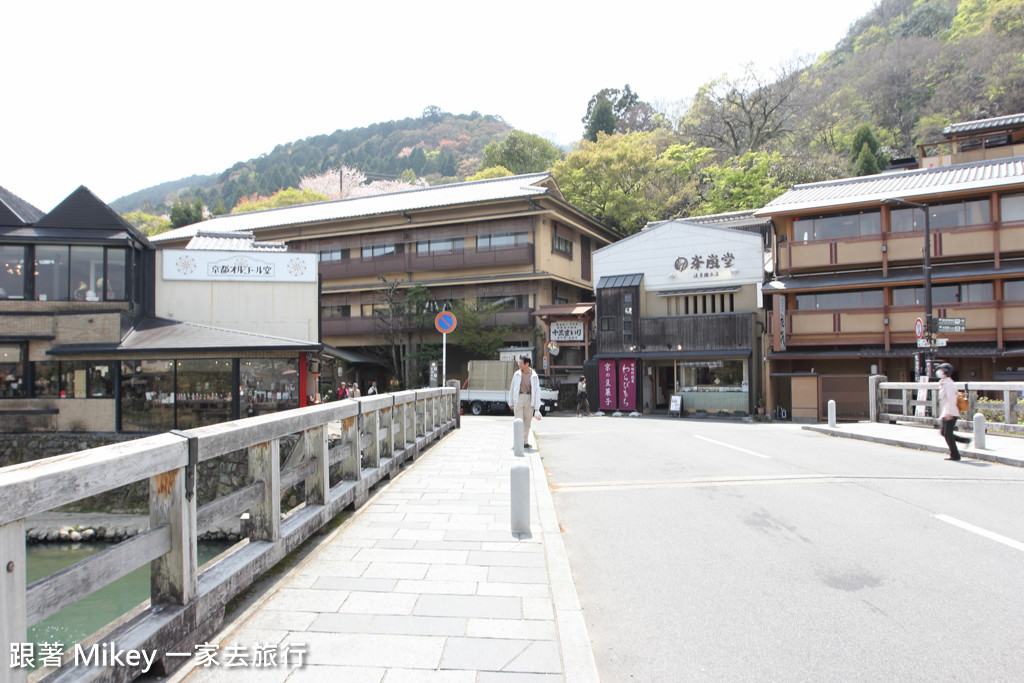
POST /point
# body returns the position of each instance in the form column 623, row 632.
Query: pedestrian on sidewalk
column 372, row 391
column 524, row 396
column 949, row 413
column 582, row 405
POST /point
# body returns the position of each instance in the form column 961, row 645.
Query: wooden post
column 13, row 625
column 388, row 417
column 173, row 578
column 351, row 467
column 318, row 484
column 874, row 397
column 371, row 420
column 265, row 466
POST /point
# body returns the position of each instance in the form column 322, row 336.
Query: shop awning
column 348, row 356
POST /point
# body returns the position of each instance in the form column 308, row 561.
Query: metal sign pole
column 444, row 359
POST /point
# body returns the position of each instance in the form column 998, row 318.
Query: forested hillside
column 901, row 74
column 438, row 146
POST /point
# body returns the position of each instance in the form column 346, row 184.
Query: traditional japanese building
column 83, row 349
column 849, row 284
column 513, row 242
column 680, row 319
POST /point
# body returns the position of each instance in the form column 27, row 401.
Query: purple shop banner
column 627, row 384
column 606, row 384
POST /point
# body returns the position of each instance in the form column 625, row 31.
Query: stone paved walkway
column 427, row 583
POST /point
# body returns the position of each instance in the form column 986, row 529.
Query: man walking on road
column 524, row 396
column 949, row 413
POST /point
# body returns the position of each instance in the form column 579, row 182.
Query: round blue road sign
column 445, row 322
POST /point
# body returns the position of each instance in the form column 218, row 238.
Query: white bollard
column 832, row 413
column 520, row 498
column 517, row 436
column 979, row 431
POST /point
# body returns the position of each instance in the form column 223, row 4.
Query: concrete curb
column 578, row 662
column 965, row 451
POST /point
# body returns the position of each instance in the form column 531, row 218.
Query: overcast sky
column 119, row 96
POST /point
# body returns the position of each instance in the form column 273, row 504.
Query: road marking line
column 1016, row 545
column 735, row 448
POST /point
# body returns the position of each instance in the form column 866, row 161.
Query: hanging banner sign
column 606, row 382
column 627, row 384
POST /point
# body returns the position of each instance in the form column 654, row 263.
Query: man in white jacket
column 524, row 396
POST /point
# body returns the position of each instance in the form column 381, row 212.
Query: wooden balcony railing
column 901, row 247
column 415, row 262
column 724, row 331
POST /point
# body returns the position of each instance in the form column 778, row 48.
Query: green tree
column 219, row 209
column 601, row 120
column 288, row 197
column 491, row 172
column 186, row 213
column 745, row 182
column 863, row 138
column 521, row 153
column 417, row 160
column 477, row 331
column 628, row 180
column 867, row 163
column 148, row 223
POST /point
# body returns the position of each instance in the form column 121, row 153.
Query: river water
column 83, row 618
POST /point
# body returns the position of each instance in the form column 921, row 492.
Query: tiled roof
column 613, row 281
column 734, row 220
column 82, row 210
column 513, row 187
column 16, row 211
column 163, row 335
column 206, row 240
column 982, row 125
column 874, row 189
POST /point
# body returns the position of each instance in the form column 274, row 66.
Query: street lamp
column 928, row 328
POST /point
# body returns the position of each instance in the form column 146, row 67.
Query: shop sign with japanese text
column 567, row 330
column 606, row 381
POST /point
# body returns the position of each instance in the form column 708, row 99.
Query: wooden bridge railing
column 372, row 437
column 919, row 402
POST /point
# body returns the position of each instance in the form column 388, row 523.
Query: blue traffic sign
column 445, row 322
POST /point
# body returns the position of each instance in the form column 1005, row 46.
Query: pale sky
column 119, row 96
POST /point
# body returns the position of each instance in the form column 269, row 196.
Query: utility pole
column 929, row 327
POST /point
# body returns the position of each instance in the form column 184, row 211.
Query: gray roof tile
column 982, row 125
column 874, row 189
column 512, row 187
column 16, row 211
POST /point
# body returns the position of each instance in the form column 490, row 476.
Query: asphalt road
column 724, row 551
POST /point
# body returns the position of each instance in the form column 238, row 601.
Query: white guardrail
column 919, row 402
column 370, row 438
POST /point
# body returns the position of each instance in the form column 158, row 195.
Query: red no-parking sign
column 919, row 328
column 445, row 322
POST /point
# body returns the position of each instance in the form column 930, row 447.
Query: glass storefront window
column 86, row 379
column 203, row 395
column 268, row 385
column 147, row 396
column 721, row 375
column 836, row 227
column 116, row 289
column 86, row 273
column 12, row 371
column 870, row 298
column 1013, row 290
column 1011, row 208
column 46, row 378
column 12, row 272
column 51, row 273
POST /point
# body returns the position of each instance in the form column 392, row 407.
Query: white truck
column 486, row 388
